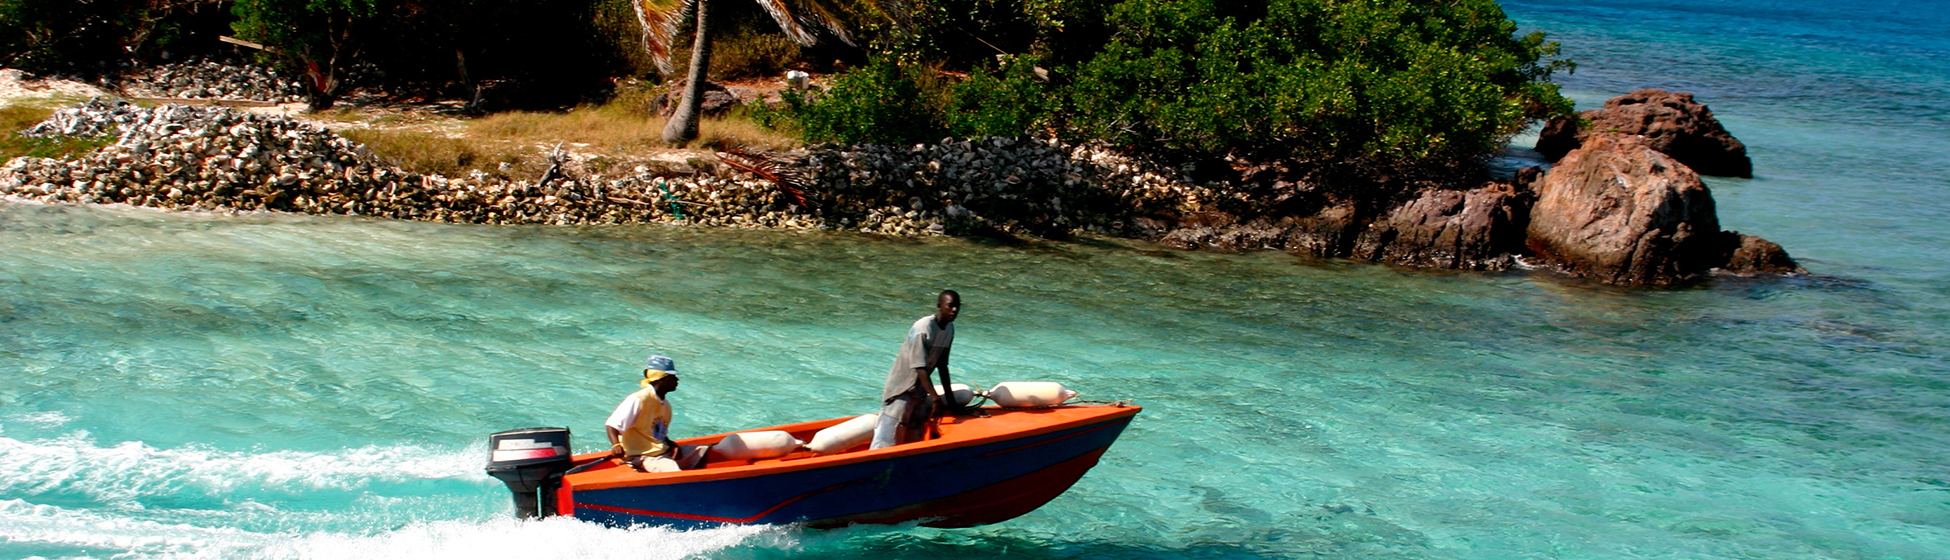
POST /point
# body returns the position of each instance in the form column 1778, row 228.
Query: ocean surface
column 271, row 386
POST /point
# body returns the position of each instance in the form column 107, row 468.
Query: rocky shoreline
column 221, row 160
column 1620, row 206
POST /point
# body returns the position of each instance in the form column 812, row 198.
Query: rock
column 1673, row 123
column 1473, row 230
column 1753, row 255
column 219, row 159
column 1238, row 237
column 1620, row 212
column 1559, row 136
column 1525, row 180
column 1329, row 233
column 717, row 100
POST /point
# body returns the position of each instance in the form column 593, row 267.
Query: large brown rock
column 1672, row 123
column 1468, row 230
column 1620, row 212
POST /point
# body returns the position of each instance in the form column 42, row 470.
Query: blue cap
column 661, row 362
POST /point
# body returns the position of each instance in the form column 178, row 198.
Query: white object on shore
column 963, row 393
column 1019, row 394
column 796, row 79
column 756, row 445
column 843, row 436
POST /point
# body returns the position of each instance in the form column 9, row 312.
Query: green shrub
column 886, row 102
column 1006, row 101
column 883, row 102
column 1388, row 80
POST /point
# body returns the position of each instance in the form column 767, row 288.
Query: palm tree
column 800, row 19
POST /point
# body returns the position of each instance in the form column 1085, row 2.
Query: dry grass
column 740, row 130
column 621, row 128
column 427, row 152
column 621, row 133
column 342, row 114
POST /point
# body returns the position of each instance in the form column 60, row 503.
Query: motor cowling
column 530, row 461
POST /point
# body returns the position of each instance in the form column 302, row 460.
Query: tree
column 1381, row 81
column 320, row 37
column 87, row 36
column 801, row 20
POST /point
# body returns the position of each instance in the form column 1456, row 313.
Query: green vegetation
column 1382, row 84
column 318, row 37
column 886, row 102
column 1369, row 90
column 799, row 20
column 1314, row 79
column 881, row 103
column 545, row 51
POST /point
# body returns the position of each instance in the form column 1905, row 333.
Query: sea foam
column 126, row 473
column 84, row 534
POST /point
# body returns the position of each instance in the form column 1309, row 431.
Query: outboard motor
column 528, row 460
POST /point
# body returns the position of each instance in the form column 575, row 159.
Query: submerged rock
column 1753, row 256
column 1672, row 123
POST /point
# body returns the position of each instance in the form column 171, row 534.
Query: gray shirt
column 915, row 353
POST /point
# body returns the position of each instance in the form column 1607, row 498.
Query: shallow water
column 287, row 386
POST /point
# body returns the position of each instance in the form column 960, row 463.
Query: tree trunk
column 682, row 127
column 325, row 81
column 324, row 90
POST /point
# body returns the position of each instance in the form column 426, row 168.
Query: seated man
column 639, row 429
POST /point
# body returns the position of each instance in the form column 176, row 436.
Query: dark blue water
column 300, row 387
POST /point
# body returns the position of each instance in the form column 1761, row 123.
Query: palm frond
column 900, row 11
column 659, row 20
column 771, row 167
column 799, row 19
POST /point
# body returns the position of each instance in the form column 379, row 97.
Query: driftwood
column 555, row 160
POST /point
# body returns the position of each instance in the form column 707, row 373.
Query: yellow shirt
column 643, row 421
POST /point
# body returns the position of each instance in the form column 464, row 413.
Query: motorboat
column 987, row 465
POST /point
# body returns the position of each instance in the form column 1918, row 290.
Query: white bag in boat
column 963, row 393
column 843, row 436
column 1018, row 394
column 756, row 445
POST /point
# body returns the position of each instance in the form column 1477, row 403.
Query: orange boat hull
column 984, row 468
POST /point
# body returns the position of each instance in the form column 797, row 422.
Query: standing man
column 639, row 429
column 909, row 400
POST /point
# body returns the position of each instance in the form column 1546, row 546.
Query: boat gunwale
column 1110, row 412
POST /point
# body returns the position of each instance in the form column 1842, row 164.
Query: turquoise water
column 303, row 387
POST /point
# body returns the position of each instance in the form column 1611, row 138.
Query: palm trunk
column 682, row 127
